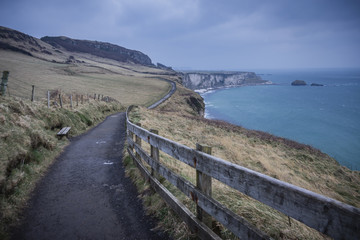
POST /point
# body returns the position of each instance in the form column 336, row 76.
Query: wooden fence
column 54, row 95
column 328, row 216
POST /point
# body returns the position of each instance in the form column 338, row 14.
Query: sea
column 326, row 117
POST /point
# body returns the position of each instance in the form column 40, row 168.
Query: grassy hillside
column 280, row 158
column 129, row 84
column 75, row 71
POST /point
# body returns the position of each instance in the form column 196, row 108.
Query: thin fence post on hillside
column 138, row 142
column 48, row 98
column 33, row 93
column 98, row 97
column 102, row 97
column 82, row 99
column 77, row 100
column 4, row 81
column 71, row 103
column 154, row 152
column 60, row 100
column 94, row 96
column 131, row 135
column 203, row 183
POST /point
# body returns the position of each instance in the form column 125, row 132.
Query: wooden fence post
column 71, row 103
column 48, row 98
column 32, row 93
column 98, row 97
column 94, row 96
column 203, row 183
column 131, row 135
column 82, row 99
column 77, row 100
column 60, row 99
column 138, row 142
column 4, row 81
column 154, row 152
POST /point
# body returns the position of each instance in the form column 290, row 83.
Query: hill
column 100, row 49
column 131, row 79
column 57, row 49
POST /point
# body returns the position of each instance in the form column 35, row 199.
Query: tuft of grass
column 155, row 205
column 85, row 119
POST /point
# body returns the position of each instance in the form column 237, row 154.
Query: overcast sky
column 204, row 34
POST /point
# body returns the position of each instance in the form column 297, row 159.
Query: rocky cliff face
column 199, row 80
column 20, row 42
column 59, row 49
column 101, row 49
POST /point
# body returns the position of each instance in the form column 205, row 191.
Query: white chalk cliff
column 205, row 80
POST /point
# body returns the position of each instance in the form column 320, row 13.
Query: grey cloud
column 204, row 34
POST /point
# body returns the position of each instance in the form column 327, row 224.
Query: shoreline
column 206, row 90
column 207, row 115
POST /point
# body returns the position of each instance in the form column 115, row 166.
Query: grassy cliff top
column 283, row 159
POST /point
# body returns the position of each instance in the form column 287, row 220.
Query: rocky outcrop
column 164, row 67
column 298, row 83
column 20, row 42
column 206, row 80
column 60, row 49
column 197, row 104
column 100, row 49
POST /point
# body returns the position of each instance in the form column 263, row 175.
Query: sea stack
column 298, row 83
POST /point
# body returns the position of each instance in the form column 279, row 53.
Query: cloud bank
column 201, row 34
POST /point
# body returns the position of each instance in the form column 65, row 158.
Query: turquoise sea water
column 328, row 117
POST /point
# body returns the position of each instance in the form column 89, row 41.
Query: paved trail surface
column 85, row 194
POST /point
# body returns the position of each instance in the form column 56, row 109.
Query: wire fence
column 50, row 97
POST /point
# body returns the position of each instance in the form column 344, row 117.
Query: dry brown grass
column 280, row 158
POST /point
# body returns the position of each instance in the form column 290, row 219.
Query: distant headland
column 206, row 80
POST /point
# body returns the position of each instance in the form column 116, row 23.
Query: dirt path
column 167, row 96
column 85, row 194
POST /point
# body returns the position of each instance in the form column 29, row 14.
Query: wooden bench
column 63, row 132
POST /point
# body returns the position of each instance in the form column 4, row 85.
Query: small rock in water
column 298, row 83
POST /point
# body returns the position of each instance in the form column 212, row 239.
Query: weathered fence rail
column 328, row 216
